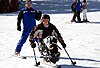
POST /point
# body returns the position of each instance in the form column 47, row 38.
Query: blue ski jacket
column 28, row 17
column 79, row 6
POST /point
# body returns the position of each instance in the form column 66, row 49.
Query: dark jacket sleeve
column 73, row 7
column 20, row 15
column 33, row 32
column 59, row 37
column 38, row 15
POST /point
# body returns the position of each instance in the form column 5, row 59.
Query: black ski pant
column 74, row 16
column 78, row 15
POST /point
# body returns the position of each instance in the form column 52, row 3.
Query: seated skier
column 47, row 30
column 51, row 47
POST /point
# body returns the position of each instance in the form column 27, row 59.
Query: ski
column 51, row 64
column 21, row 57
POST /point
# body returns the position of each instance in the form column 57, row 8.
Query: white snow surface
column 82, row 39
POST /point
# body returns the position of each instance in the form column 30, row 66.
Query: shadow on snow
column 62, row 6
column 71, row 66
column 59, row 7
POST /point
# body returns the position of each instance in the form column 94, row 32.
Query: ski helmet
column 45, row 16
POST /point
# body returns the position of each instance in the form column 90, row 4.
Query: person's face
column 28, row 5
column 75, row 0
column 45, row 21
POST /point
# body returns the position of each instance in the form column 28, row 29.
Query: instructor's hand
column 33, row 45
column 19, row 28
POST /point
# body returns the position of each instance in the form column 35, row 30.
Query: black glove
column 38, row 15
column 31, row 40
column 64, row 45
column 33, row 45
column 19, row 28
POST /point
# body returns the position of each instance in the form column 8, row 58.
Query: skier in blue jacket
column 78, row 10
column 29, row 16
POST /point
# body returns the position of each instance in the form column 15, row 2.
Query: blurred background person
column 73, row 8
column 84, row 4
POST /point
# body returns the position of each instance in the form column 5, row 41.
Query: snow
column 82, row 39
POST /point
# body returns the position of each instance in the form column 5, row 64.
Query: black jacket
column 47, row 31
column 73, row 6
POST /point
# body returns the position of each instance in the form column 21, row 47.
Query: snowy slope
column 82, row 39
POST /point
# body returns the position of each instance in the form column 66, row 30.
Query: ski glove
column 31, row 40
column 33, row 45
column 64, row 45
column 19, row 28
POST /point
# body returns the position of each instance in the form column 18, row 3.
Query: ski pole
column 73, row 62
column 59, row 47
column 37, row 63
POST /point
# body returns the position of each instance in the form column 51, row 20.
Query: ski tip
column 36, row 65
column 24, row 57
column 59, row 67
